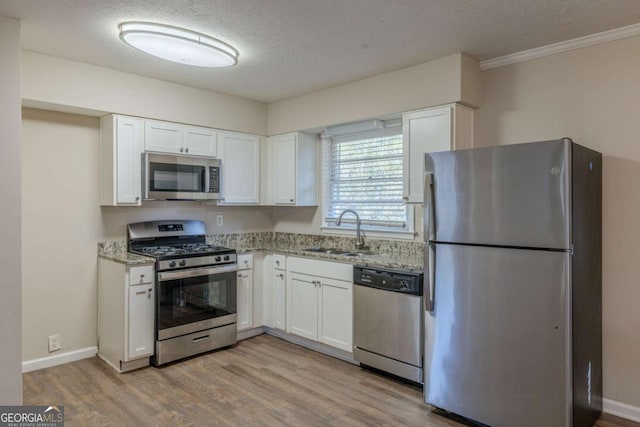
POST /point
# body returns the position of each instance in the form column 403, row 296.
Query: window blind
column 365, row 174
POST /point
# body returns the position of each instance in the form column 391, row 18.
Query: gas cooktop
column 182, row 251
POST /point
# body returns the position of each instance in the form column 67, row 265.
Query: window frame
column 347, row 228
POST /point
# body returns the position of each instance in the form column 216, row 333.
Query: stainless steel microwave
column 173, row 177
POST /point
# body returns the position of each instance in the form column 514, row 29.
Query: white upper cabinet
column 120, row 160
column 427, row 131
column 163, row 137
column 176, row 138
column 200, row 141
column 240, row 154
column 292, row 169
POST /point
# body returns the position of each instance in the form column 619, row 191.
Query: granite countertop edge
column 384, row 260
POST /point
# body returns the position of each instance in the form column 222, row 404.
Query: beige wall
column 10, row 371
column 431, row 83
column 58, row 84
column 593, row 96
column 62, row 223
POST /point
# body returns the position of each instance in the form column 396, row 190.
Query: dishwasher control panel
column 408, row 282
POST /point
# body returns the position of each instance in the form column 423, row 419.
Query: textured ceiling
column 292, row 47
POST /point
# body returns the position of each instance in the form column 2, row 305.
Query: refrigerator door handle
column 429, row 277
column 429, row 236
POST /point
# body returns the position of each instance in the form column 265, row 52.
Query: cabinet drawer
column 141, row 274
column 245, row 262
column 279, row 262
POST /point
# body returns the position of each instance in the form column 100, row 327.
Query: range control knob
column 172, row 264
column 218, row 259
column 226, row 257
column 404, row 285
column 183, row 263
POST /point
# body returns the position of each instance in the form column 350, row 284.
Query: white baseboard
column 312, row 345
column 250, row 333
column 621, row 410
column 58, row 359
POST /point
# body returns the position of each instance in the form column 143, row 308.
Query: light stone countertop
column 386, row 254
column 117, row 251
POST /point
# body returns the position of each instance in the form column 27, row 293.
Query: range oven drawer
column 194, row 343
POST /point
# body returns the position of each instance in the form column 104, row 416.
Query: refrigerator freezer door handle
column 429, row 208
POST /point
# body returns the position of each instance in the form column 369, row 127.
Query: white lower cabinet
column 245, row 291
column 126, row 310
column 140, row 323
column 279, row 298
column 320, row 308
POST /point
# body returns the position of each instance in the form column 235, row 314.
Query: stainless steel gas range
column 196, row 287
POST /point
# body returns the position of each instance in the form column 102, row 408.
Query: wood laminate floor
column 261, row 381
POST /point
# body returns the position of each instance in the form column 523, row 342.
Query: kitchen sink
column 321, row 250
column 335, row 251
column 359, row 253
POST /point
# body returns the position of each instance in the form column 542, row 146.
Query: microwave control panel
column 214, row 179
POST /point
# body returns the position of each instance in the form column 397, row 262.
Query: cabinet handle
column 141, row 292
column 149, row 293
column 243, row 276
column 186, row 150
column 277, row 262
column 181, row 149
column 280, row 276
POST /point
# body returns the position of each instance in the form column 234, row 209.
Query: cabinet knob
column 181, row 149
column 137, row 198
column 405, row 197
column 149, row 293
column 291, row 200
column 186, row 150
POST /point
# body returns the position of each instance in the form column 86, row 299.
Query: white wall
column 10, row 370
column 62, row 223
column 58, row 84
column 454, row 78
column 593, row 96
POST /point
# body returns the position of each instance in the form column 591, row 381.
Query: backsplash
column 275, row 240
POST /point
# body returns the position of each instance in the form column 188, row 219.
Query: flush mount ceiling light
column 178, row 45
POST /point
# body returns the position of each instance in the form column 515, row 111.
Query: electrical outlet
column 219, row 220
column 54, row 343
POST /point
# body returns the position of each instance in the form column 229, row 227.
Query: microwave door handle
column 207, row 179
column 145, row 175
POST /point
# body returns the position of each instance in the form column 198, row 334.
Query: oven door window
column 194, row 299
column 176, row 178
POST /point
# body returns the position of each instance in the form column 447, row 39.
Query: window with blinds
column 365, row 174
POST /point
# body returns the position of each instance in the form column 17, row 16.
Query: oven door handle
column 194, row 272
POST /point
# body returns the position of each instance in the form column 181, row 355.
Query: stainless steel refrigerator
column 513, row 272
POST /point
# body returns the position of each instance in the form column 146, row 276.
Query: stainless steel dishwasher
column 388, row 322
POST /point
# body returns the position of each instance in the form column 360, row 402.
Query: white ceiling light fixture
column 178, row 44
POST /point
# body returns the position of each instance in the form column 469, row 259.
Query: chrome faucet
column 359, row 236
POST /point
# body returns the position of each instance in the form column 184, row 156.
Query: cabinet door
column 140, row 324
column 200, row 141
column 279, row 295
column 285, row 168
column 302, row 305
column 245, row 299
column 128, row 160
column 163, row 137
column 240, row 155
column 423, row 132
column 335, row 308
